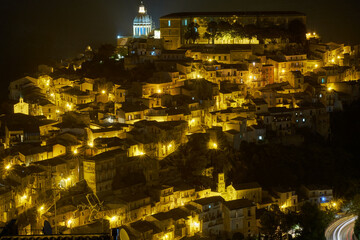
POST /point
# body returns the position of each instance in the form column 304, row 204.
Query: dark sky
column 36, row 31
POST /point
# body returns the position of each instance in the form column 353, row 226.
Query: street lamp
column 8, row 167
column 69, row 222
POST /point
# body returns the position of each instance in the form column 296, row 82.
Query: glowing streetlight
column 75, row 151
column 24, row 197
column 159, row 91
column 103, row 91
column 41, row 209
column 334, row 204
column 316, row 66
column 196, row 224
column 91, row 144
column 69, row 222
column 113, row 218
column 8, row 167
column 329, row 89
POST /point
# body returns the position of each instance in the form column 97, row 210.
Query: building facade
column 173, row 26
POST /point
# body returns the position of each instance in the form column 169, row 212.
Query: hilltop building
column 174, row 26
column 143, row 23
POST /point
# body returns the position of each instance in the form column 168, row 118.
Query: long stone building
column 173, row 26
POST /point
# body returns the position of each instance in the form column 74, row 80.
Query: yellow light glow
column 52, row 94
column 141, row 153
column 316, row 66
column 214, row 146
column 91, row 144
column 24, row 197
column 283, row 71
column 103, row 91
column 314, row 33
column 192, row 120
column 170, row 145
column 334, row 204
column 68, row 179
column 69, row 222
column 7, row 167
column 196, row 224
column 113, row 218
column 329, row 89
column 338, row 57
column 57, row 111
column 333, row 60
column 41, row 208
column 198, row 76
column 210, row 60
column 159, row 91
column 75, row 151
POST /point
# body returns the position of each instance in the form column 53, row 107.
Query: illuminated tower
column 221, row 183
column 143, row 23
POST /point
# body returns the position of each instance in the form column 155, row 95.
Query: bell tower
column 221, row 183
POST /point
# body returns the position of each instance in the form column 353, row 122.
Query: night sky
column 36, row 31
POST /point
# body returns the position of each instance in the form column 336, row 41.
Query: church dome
column 143, row 18
column 142, row 24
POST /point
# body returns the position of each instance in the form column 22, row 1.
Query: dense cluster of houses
column 80, row 151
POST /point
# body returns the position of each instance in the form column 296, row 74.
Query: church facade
column 143, row 23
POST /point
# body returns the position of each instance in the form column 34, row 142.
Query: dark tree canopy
column 191, row 32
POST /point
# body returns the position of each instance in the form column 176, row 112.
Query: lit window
column 185, row 22
column 303, row 119
column 320, row 95
column 169, row 23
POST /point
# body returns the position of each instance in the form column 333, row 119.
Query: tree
column 105, row 51
column 191, row 32
column 211, row 31
column 224, row 31
column 297, row 31
column 250, row 31
column 313, row 222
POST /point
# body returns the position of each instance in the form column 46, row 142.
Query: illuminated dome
column 143, row 23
